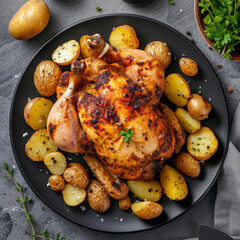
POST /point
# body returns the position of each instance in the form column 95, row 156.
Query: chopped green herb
column 194, row 149
column 171, row 2
column 98, row 8
column 200, row 92
column 198, row 144
column 193, row 143
column 127, row 134
column 199, row 138
column 198, row 150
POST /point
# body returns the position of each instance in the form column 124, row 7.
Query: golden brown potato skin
column 198, row 108
column 30, row 20
column 46, row 77
column 160, row 51
column 28, row 107
column 175, row 126
column 56, row 183
column 77, row 175
column 97, row 196
column 125, row 203
column 187, row 165
column 188, row 66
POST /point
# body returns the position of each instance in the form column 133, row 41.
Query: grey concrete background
column 14, row 55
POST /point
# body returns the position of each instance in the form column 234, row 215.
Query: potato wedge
column 66, row 53
column 177, row 90
column 55, row 162
column 202, row 144
column 173, row 183
column 73, row 196
column 175, row 126
column 188, row 66
column 77, row 175
column 160, row 51
column 97, row 196
column 125, row 203
column 150, row 191
column 39, row 145
column 189, row 124
column 187, row 165
column 147, row 210
column 36, row 112
column 56, row 183
column 124, row 36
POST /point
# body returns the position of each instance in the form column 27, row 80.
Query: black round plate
column 116, row 220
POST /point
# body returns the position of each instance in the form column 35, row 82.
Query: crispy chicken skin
column 111, row 99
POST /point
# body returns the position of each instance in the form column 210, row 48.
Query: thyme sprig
column 23, row 199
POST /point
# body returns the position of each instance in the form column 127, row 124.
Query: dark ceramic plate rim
column 12, row 105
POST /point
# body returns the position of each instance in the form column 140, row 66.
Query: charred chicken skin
column 114, row 93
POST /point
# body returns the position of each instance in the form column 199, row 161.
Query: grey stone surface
column 14, row 55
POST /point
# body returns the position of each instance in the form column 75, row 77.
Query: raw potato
column 187, row 165
column 36, row 112
column 177, row 89
column 66, row 53
column 151, row 190
column 46, row 77
column 97, row 196
column 125, row 203
column 77, row 175
column 147, row 210
column 63, row 84
column 189, row 124
column 124, row 37
column 39, row 145
column 175, row 126
column 73, row 196
column 188, row 66
column 56, row 163
column 29, row 20
column 173, row 183
column 202, row 144
column 56, row 183
column 160, row 51
column 198, row 108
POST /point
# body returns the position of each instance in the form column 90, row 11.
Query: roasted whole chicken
column 112, row 92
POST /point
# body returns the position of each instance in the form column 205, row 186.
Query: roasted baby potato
column 97, row 197
column 30, row 20
column 55, row 162
column 36, row 112
column 198, row 108
column 188, row 66
column 124, row 36
column 77, row 175
column 177, row 89
column 160, row 51
column 202, row 144
column 150, row 190
column 46, row 77
column 73, row 196
column 189, row 124
column 86, row 52
column 66, row 53
column 56, row 183
column 175, row 126
column 173, row 183
column 147, row 210
column 125, row 203
column 39, row 145
column 63, row 84
column 187, row 165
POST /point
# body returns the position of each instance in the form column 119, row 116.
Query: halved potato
column 36, row 112
column 202, row 144
column 55, row 162
column 173, row 183
column 56, row 183
column 189, row 124
column 124, row 36
column 177, row 90
column 176, row 127
column 151, row 190
column 39, row 145
column 66, row 53
column 86, row 52
column 147, row 210
column 73, row 196
column 188, row 66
